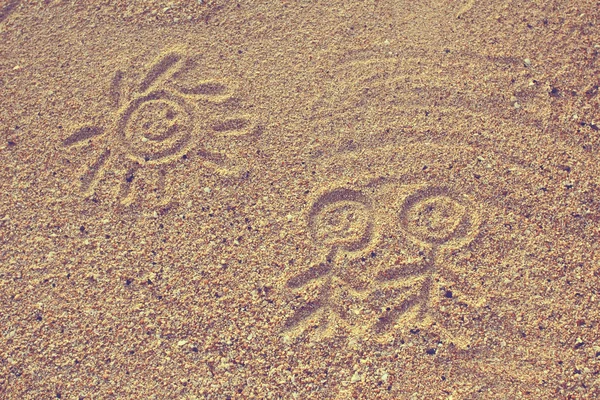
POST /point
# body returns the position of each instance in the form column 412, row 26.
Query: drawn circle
column 436, row 216
column 342, row 219
column 156, row 126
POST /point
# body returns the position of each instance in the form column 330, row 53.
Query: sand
column 299, row 199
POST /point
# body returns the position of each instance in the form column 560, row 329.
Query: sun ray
column 207, row 88
column 126, row 191
column 159, row 69
column 313, row 273
column 92, row 175
column 115, row 89
column 8, row 8
column 234, row 126
column 190, row 80
column 82, row 134
column 217, row 162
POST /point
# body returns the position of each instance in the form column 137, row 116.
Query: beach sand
column 299, row 199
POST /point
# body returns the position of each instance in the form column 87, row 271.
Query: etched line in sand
column 91, row 176
column 83, row 134
column 160, row 68
column 8, row 8
column 366, row 81
column 127, row 184
column 416, row 303
column 237, row 126
column 301, row 314
column 114, row 92
column 207, row 89
column 158, row 120
column 312, row 273
column 404, row 272
column 190, row 81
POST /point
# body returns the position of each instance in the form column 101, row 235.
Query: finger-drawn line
column 312, row 273
column 209, row 88
column 82, row 134
column 89, row 178
column 465, row 8
column 114, row 92
column 188, row 81
column 232, row 124
column 301, row 314
column 166, row 63
column 389, row 318
column 8, row 9
column 404, row 272
column 126, row 189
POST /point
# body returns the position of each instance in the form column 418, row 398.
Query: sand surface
column 384, row 199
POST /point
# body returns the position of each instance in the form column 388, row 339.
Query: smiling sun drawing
column 157, row 122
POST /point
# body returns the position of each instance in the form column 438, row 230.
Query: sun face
column 156, row 126
column 167, row 114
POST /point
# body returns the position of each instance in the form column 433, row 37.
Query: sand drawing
column 350, row 291
column 436, row 219
column 341, row 221
column 158, row 121
column 424, row 92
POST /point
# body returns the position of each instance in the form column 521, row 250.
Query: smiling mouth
column 172, row 130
